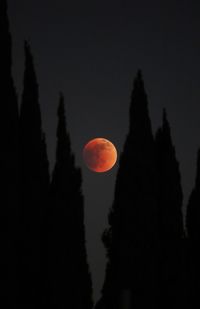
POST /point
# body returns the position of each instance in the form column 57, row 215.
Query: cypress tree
column 193, row 231
column 170, row 220
column 69, row 277
column 34, row 181
column 8, row 164
column 131, row 237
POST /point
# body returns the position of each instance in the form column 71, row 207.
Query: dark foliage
column 131, row 237
column 69, row 277
column 145, row 241
column 193, row 230
column 34, row 182
column 170, row 222
column 8, row 164
column 34, row 220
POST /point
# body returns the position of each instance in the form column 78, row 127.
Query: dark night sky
column 91, row 51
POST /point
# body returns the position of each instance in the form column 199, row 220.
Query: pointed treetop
column 29, row 57
column 63, row 140
column 30, row 73
column 139, row 74
column 30, row 114
column 139, row 113
column 61, row 107
column 138, row 87
column 27, row 46
column 164, row 139
column 166, row 128
column 61, row 116
column 158, row 134
column 165, row 116
column 30, row 79
column 65, row 161
column 138, row 81
column 165, row 124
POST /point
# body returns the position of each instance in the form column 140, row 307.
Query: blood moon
column 100, row 155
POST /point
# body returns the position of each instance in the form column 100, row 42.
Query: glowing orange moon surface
column 100, row 155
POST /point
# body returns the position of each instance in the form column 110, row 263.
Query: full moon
column 100, row 155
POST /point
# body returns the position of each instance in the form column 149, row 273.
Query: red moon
column 100, row 155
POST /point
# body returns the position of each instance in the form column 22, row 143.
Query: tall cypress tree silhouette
column 193, row 230
column 8, row 164
column 34, row 181
column 69, row 277
column 170, row 220
column 131, row 237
